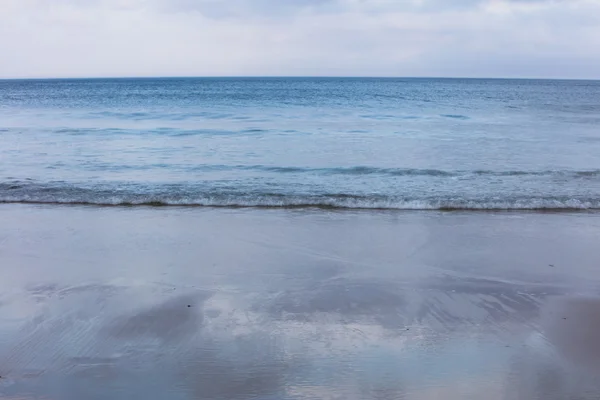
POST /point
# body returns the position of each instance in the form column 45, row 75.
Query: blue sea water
column 302, row 142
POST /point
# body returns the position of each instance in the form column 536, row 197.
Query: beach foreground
column 201, row 303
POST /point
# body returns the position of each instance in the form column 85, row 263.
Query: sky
column 440, row 38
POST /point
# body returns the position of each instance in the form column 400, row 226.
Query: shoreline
column 307, row 207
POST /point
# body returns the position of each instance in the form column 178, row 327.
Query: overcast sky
column 470, row 38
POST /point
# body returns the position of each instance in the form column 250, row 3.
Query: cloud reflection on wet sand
column 325, row 331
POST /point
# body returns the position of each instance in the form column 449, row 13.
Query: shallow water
column 302, row 142
column 184, row 303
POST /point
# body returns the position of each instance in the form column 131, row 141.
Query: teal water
column 302, row 142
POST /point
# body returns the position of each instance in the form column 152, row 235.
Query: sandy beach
column 194, row 303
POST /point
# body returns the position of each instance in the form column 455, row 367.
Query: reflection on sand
column 349, row 300
column 560, row 360
column 300, row 326
column 572, row 327
column 169, row 320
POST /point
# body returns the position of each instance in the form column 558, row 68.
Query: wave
column 454, row 116
column 356, row 170
column 180, row 196
column 365, row 170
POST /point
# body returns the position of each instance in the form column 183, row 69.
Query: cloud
column 244, row 8
column 499, row 38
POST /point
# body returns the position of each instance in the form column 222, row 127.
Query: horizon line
column 290, row 77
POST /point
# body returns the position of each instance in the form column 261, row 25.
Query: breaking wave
column 194, row 196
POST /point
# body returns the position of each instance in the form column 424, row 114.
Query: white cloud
column 520, row 38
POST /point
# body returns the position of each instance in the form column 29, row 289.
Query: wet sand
column 175, row 303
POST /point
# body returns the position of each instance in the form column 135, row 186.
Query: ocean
column 353, row 143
